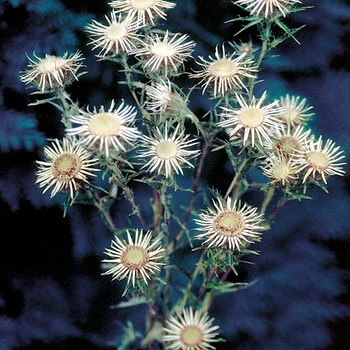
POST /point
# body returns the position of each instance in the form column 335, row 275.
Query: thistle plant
column 157, row 140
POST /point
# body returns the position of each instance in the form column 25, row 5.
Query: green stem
column 104, row 212
column 131, row 86
column 265, row 37
column 68, row 106
column 129, row 196
column 281, row 203
column 164, row 208
column 195, row 187
column 236, row 177
column 190, row 283
column 268, row 197
column 203, row 293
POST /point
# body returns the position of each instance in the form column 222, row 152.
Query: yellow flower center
column 166, row 150
column 289, row 144
column 134, row 257
column 318, row 160
column 163, row 50
column 230, row 223
column 142, row 4
column 116, row 32
column 252, row 117
column 50, row 64
column 223, row 68
column 104, row 124
column 191, row 336
column 281, row 171
column 66, row 166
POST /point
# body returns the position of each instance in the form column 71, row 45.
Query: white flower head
column 119, row 36
column 146, row 11
column 268, row 8
column 168, row 153
column 253, row 122
column 105, row 130
column 280, row 169
column 161, row 97
column 295, row 112
column 190, row 330
column 319, row 160
column 226, row 72
column 136, row 259
column 67, row 167
column 288, row 140
column 229, row 225
column 164, row 54
column 52, row 72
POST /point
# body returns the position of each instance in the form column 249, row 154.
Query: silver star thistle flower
column 136, row 259
column 168, row 153
column 52, row 72
column 225, row 73
column 229, row 225
column 163, row 98
column 268, row 7
column 280, row 169
column 106, row 130
column 67, row 167
column 288, row 140
column 118, row 37
column 190, row 330
column 146, row 11
column 252, row 120
column 320, row 161
column 164, row 54
column 295, row 112
column 159, row 96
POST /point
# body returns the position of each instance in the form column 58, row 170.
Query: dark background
column 52, row 295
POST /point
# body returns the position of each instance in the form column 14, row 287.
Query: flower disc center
column 191, row 336
column 223, row 68
column 281, row 172
column 134, row 257
column 163, row 50
column 166, row 149
column 66, row 166
column 50, row 64
column 289, row 144
column 318, row 160
column 229, row 223
column 251, row 117
column 104, row 124
column 116, row 32
column 142, row 4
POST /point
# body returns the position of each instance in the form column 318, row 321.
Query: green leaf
column 290, row 32
column 132, row 302
column 252, row 21
column 227, row 287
